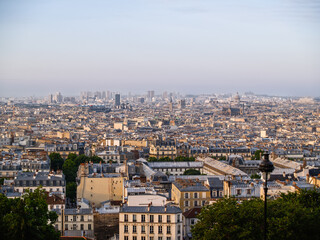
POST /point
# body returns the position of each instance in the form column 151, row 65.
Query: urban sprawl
column 142, row 166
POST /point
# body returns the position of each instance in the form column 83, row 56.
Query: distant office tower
column 182, row 103
column 108, row 95
column 58, row 97
column 117, row 100
column 164, row 95
column 104, row 95
column 150, row 95
column 50, row 98
column 141, row 100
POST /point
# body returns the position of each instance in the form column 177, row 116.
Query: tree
column 56, row 161
column 255, row 176
column 96, row 159
column 81, row 159
column 70, row 170
column 27, row 217
column 71, row 190
column 291, row 216
column 257, row 155
column 192, row 172
column 152, row 159
column 72, row 156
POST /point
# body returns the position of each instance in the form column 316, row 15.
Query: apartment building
column 150, row 223
column 189, row 193
column 75, row 222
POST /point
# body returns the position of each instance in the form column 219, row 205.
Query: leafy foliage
column 192, row 172
column 56, row 161
column 292, row 216
column 255, row 176
column 257, row 155
column 27, row 217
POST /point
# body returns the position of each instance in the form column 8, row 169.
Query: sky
column 187, row 46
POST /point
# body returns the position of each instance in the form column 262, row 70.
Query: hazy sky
column 190, row 46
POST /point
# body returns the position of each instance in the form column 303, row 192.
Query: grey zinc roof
column 175, row 164
column 75, row 211
column 152, row 209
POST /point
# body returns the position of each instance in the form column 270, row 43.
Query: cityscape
column 159, row 120
column 109, row 162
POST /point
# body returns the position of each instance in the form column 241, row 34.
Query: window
column 159, row 238
column 159, row 229
column 134, row 218
column 214, row 193
column 195, row 195
column 195, row 203
column 186, row 203
column 151, row 229
column 248, row 191
column 220, row 193
column 126, row 228
column 66, row 218
column 151, row 218
column 134, row 238
column 179, row 230
column 143, row 238
column 238, row 191
column 168, row 238
column 143, row 218
column 74, row 227
column 82, row 218
column 66, row 226
column 143, row 229
column 126, row 217
column 126, row 238
column 168, row 219
column 192, row 221
column 134, row 229
column 74, row 218
column 203, row 195
column 178, row 218
column 151, row 238
column 81, row 227
column 186, row 195
column 168, row 229
column 203, row 203
column 159, row 218
column 89, row 226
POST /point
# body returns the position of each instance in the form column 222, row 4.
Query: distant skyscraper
column 150, row 95
column 182, row 103
column 117, row 100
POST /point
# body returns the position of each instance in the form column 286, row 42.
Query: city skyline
column 189, row 47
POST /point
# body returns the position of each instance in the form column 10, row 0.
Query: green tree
column 184, row 159
column 292, row 216
column 71, row 191
column 255, row 176
column 56, row 161
column 192, row 172
column 27, row 217
column 257, row 155
column 81, row 159
column 72, row 156
column 152, row 159
column 96, row 159
column 70, row 170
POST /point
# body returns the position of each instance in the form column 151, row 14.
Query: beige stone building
column 99, row 187
column 189, row 193
column 150, row 223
